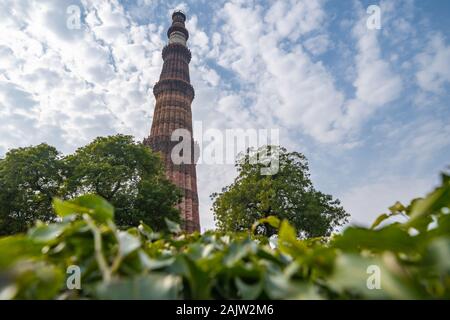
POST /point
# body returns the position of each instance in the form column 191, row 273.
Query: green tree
column 127, row 174
column 287, row 194
column 29, row 179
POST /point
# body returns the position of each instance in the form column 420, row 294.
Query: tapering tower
column 174, row 95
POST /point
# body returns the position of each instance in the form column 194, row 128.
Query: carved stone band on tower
column 174, row 94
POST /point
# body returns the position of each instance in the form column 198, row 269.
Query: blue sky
column 369, row 108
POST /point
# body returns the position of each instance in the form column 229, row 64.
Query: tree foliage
column 125, row 173
column 29, row 179
column 408, row 260
column 287, row 194
column 128, row 175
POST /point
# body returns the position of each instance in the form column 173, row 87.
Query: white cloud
column 434, row 69
column 366, row 202
column 419, row 142
column 318, row 45
column 293, row 18
column 289, row 85
column 198, row 40
column 88, row 82
column 376, row 84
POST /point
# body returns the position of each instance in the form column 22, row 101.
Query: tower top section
column 178, row 15
column 177, row 32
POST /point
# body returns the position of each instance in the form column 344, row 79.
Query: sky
column 368, row 107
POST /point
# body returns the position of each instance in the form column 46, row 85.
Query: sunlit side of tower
column 174, row 94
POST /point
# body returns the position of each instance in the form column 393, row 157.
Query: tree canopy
column 287, row 194
column 29, row 179
column 127, row 174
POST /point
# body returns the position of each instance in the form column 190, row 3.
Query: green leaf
column 153, row 286
column 66, row 208
column 35, row 280
column 380, row 219
column 154, row 264
column 94, row 205
column 172, row 226
column 390, row 238
column 398, row 207
column 199, row 280
column 197, row 251
column 437, row 255
column 280, row 286
column 434, row 202
column 288, row 242
column 148, row 232
column 16, row 248
column 353, row 275
column 421, row 223
column 270, row 220
column 237, row 251
column 46, row 233
column 444, row 225
column 127, row 243
column 249, row 291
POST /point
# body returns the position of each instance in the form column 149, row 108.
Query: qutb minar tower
column 174, row 94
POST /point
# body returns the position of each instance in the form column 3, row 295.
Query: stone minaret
column 174, row 95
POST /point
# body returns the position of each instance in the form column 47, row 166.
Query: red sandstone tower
column 174, row 95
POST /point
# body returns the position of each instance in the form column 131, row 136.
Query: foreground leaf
column 100, row 209
column 147, row 287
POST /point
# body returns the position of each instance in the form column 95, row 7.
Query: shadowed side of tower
column 174, row 95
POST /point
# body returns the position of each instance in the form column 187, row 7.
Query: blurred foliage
column 127, row 174
column 413, row 258
column 274, row 182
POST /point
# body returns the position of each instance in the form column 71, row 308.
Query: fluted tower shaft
column 174, row 95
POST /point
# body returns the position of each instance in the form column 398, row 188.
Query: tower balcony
column 168, row 85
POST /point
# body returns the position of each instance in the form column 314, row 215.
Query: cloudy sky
column 369, row 108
